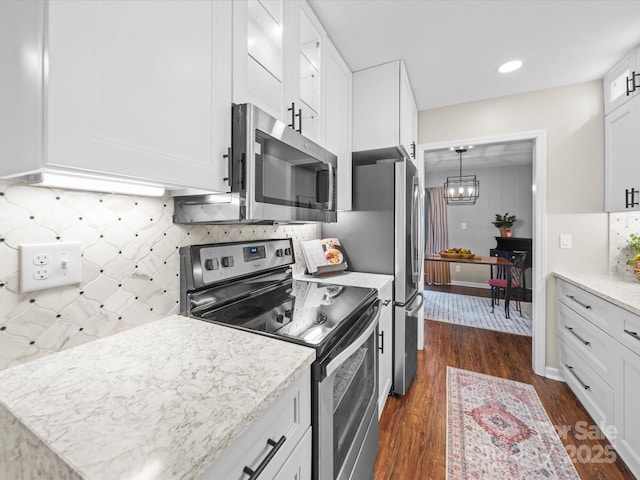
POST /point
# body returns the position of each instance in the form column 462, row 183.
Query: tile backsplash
column 621, row 225
column 129, row 264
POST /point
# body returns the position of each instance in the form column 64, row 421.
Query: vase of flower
column 504, row 223
column 634, row 246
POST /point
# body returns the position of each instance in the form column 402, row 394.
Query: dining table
column 502, row 263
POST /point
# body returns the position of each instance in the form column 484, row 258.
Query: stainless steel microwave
column 275, row 173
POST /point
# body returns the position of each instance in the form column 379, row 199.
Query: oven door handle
column 356, row 344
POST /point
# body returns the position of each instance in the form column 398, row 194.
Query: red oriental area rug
column 498, row 429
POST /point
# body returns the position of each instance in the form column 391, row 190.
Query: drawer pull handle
column 584, row 385
column 633, row 334
column 386, row 302
column 578, row 336
column 381, row 347
column 253, row 474
column 588, row 307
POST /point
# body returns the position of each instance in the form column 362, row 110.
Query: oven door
column 345, row 409
column 289, row 177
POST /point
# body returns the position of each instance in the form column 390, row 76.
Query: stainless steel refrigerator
column 383, row 234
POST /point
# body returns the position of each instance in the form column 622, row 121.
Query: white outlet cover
column 63, row 266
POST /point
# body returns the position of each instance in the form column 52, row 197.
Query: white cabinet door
column 622, row 162
column 618, row 84
column 627, row 420
column 259, row 55
column 337, row 111
column 385, row 346
column 306, row 45
column 277, row 62
column 384, row 109
column 376, row 111
column 140, row 89
column 408, row 114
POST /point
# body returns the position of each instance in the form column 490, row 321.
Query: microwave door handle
column 331, row 184
column 355, row 345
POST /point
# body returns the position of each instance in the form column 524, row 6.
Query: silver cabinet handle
column 633, row 334
column 578, row 336
column 588, row 307
column 381, row 347
column 253, row 474
column 584, row 385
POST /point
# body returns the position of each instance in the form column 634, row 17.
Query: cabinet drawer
column 627, row 330
column 289, row 416
column 298, row 465
column 593, row 345
column 594, row 394
column 594, row 309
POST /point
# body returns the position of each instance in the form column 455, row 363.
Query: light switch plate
column 565, row 240
column 48, row 265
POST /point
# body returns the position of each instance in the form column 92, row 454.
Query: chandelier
column 462, row 189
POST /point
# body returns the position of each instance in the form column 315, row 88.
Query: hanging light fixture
column 463, row 189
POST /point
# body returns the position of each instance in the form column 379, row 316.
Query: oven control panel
column 205, row 264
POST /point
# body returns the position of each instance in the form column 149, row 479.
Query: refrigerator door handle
column 412, row 310
column 416, row 236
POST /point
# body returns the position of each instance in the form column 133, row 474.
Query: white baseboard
column 554, row 374
column 470, row 284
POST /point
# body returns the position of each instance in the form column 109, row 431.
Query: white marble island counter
column 159, row 401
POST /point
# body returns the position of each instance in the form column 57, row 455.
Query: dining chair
column 497, row 284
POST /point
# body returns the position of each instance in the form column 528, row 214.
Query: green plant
column 634, row 246
column 504, row 221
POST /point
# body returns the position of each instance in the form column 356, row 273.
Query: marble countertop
column 355, row 279
column 623, row 292
column 159, row 401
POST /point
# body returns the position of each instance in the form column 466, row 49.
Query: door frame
column 539, row 202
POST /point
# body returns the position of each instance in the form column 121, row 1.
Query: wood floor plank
column 413, row 427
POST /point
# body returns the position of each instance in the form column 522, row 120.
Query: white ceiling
column 480, row 156
column 452, row 48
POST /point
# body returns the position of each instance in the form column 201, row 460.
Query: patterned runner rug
column 498, row 429
column 476, row 312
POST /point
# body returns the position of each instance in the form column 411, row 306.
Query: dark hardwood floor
column 413, row 427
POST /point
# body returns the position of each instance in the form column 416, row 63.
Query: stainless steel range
column 249, row 286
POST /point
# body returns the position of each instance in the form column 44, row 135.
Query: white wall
column 502, row 189
column 573, row 118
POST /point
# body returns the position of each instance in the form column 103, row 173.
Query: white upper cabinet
column 622, row 166
column 337, row 113
column 132, row 90
column 408, row 114
column 384, row 109
column 621, row 83
column 277, row 62
column 307, row 72
column 258, row 55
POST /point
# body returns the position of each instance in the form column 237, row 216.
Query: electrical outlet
column 48, row 265
column 457, row 268
column 41, row 273
column 40, row 259
column 464, row 225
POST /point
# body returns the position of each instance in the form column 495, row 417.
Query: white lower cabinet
column 627, row 411
column 599, row 351
column 278, row 442
column 385, row 346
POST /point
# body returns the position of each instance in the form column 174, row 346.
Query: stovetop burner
column 268, row 301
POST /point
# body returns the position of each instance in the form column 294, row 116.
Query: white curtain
column 436, row 235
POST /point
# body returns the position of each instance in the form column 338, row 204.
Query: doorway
column 536, row 142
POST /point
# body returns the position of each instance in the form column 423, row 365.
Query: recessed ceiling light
column 510, row 66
